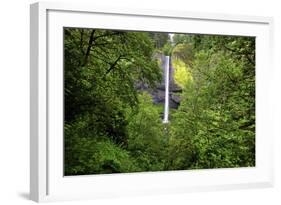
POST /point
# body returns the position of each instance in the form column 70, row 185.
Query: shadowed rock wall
column 158, row 94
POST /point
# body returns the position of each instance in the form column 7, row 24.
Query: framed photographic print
column 127, row 102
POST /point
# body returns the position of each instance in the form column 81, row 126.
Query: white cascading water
column 167, row 71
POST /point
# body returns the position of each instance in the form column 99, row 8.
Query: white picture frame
column 47, row 182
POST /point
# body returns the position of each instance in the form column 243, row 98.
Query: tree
column 217, row 107
column 101, row 70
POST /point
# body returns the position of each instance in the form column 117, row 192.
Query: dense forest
column 113, row 124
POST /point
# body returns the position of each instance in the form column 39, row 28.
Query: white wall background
column 14, row 102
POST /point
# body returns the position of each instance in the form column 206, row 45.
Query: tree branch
column 90, row 44
column 81, row 41
column 97, row 57
column 113, row 65
column 246, row 54
column 106, row 35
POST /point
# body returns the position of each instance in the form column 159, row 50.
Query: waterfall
column 167, row 82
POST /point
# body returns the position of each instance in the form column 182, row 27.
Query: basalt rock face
column 158, row 94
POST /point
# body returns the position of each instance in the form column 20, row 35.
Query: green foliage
column 102, row 65
column 167, row 49
column 160, row 39
column 184, row 52
column 91, row 156
column 112, row 127
column 182, row 74
column 146, row 139
column 217, row 108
